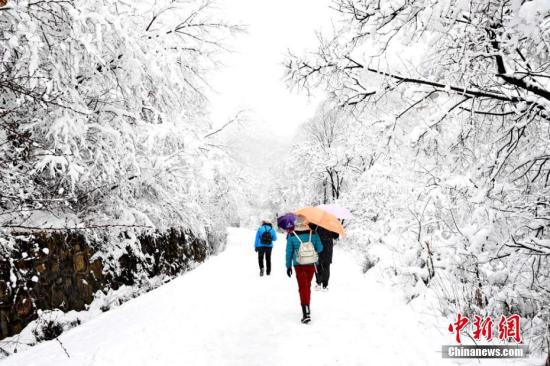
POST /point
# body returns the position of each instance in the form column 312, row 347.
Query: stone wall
column 54, row 270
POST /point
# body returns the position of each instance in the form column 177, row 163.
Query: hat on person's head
column 301, row 223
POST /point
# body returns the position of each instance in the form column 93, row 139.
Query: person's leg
column 320, row 274
column 301, row 277
column 309, row 271
column 268, row 260
column 261, row 258
column 326, row 277
column 304, row 275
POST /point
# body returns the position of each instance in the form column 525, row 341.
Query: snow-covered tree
column 327, row 155
column 460, row 94
column 103, row 119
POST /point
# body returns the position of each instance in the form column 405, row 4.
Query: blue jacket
column 259, row 233
column 293, row 244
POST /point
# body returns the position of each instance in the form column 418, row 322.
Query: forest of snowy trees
column 106, row 140
column 103, row 118
column 436, row 135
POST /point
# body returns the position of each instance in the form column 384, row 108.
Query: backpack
column 306, row 254
column 266, row 238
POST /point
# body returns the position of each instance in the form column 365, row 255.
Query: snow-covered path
column 223, row 313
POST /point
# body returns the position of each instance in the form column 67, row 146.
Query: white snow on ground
column 223, row 313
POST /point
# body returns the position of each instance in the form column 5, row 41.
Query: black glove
column 256, row 249
column 289, row 271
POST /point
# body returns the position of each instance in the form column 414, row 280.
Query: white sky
column 253, row 76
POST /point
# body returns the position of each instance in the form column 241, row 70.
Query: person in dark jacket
column 327, row 237
column 302, row 233
column 265, row 236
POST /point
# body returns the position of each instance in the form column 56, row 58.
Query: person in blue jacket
column 265, row 236
column 298, row 235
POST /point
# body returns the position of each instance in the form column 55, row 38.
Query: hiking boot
column 317, row 287
column 325, row 288
column 261, row 272
column 306, row 316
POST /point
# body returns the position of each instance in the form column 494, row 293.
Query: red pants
column 304, row 275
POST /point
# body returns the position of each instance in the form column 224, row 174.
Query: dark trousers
column 304, row 275
column 265, row 252
column 323, row 274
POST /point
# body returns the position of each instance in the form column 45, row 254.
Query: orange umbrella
column 322, row 218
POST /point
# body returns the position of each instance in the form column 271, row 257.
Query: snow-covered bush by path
column 454, row 99
column 102, row 117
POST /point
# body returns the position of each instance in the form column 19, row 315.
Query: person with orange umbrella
column 322, row 275
column 328, row 227
column 302, row 251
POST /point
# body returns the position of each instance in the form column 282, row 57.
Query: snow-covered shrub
column 50, row 325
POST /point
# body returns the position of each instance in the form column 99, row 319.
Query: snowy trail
column 223, row 313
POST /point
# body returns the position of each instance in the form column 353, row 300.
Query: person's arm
column 256, row 242
column 289, row 252
column 317, row 243
column 273, row 234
